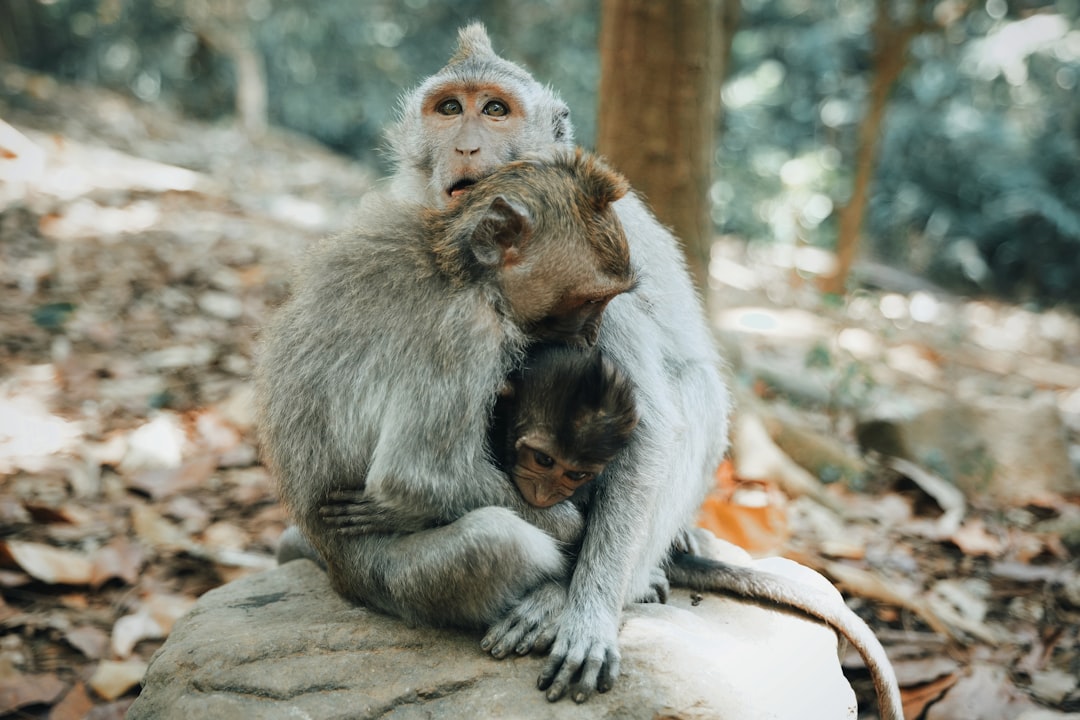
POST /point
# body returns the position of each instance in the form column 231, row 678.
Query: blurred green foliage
column 978, row 180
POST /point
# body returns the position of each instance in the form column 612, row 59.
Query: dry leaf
column 215, row 432
column 225, row 536
column 161, row 483
column 915, row 699
column 90, row 641
column 49, row 564
column 130, row 629
column 112, row 679
column 155, row 530
column 167, row 609
column 760, row 527
column 985, row 693
column 75, row 705
column 947, row 496
column 121, row 558
column 757, row 457
column 973, row 539
column 18, row 691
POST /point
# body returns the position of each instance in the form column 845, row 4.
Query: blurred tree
column 660, row 73
column 892, row 32
column 226, row 26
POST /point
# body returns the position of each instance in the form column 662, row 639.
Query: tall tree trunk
column 660, row 74
column 891, row 42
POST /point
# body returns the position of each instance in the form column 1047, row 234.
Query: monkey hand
column 353, row 512
column 686, row 542
column 529, row 626
column 586, row 647
column 659, row 588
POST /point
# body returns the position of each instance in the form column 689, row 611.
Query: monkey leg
column 465, row 574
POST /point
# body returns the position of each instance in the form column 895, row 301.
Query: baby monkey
column 565, row 415
column 559, row 421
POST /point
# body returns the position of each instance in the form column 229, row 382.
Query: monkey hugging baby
column 495, row 403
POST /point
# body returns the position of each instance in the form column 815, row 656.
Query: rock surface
column 282, row 644
column 1012, row 449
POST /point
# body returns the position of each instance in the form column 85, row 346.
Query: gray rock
column 1008, row 448
column 282, row 644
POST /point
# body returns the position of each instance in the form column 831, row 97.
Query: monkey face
column 472, row 129
column 544, row 479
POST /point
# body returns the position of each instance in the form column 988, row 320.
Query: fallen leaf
column 75, row 705
column 121, row 558
column 947, row 496
column 215, row 432
column 160, row 483
column 90, row 641
column 74, row 601
column 49, row 564
column 13, row 578
column 19, row 690
column 166, row 609
column 155, row 530
column 112, row 679
column 130, row 629
column 973, row 539
column 916, row 699
column 225, row 536
column 985, row 693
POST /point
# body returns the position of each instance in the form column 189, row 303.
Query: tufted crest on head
column 473, row 41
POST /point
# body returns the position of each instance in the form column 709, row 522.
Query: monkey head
column 572, row 412
column 543, row 232
column 473, row 116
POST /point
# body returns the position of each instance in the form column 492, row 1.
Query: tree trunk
column 891, row 42
column 660, row 74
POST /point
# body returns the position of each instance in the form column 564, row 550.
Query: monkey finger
column 609, row 673
column 347, row 511
column 545, row 638
column 661, row 588
column 686, row 542
column 589, row 674
column 560, row 670
column 347, row 496
column 530, row 642
column 503, row 636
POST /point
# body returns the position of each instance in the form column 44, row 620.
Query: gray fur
column 377, row 379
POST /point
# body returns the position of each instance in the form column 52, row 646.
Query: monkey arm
column 649, row 495
column 354, row 512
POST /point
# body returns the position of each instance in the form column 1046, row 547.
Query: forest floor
column 141, row 252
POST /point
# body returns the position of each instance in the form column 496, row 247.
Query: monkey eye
column 449, row 107
column 543, row 460
column 496, row 108
column 579, row 476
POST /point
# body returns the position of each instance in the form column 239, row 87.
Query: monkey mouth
column 461, row 187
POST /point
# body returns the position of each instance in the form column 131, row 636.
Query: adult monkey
column 476, row 114
column 468, row 119
column 377, row 378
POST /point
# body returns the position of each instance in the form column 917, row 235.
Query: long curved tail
column 708, row 575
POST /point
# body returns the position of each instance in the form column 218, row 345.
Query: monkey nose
column 467, row 151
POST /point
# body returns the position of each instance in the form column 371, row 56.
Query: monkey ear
column 500, row 233
column 602, row 184
column 560, row 124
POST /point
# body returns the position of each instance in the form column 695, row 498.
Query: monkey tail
column 708, row 575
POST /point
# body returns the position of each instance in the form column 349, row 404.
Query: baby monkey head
column 572, row 412
column 542, row 233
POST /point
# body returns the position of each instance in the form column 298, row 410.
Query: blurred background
column 977, row 177
column 907, row 424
